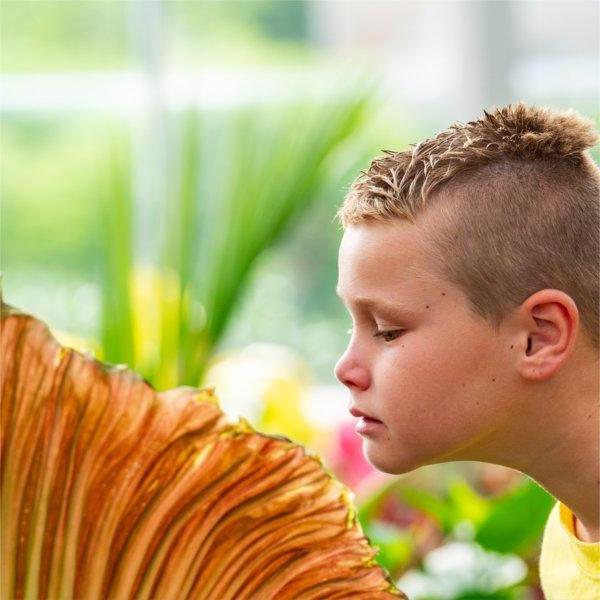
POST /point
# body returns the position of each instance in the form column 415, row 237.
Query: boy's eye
column 388, row 336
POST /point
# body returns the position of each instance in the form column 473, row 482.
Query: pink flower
column 348, row 461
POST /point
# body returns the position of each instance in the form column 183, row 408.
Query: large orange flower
column 112, row 490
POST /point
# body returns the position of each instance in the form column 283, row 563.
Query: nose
column 350, row 373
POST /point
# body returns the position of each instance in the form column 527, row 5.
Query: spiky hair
column 397, row 181
column 517, row 196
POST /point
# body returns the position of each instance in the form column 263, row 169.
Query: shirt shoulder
column 569, row 568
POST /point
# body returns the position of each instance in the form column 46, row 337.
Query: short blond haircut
column 515, row 201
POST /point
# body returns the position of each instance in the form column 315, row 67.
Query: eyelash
column 382, row 334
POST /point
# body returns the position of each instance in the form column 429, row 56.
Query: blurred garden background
column 169, row 175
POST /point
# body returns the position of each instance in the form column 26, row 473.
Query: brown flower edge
column 113, row 490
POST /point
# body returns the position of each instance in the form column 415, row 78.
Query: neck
column 557, row 444
column 569, row 470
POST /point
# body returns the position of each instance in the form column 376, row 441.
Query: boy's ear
column 549, row 320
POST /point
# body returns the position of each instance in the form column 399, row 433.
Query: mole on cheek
column 427, row 306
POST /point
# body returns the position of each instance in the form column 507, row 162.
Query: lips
column 357, row 413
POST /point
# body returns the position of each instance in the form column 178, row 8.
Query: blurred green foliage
column 52, row 171
column 508, row 524
column 62, row 35
column 57, row 174
column 242, row 178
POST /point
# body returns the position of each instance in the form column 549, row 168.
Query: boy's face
column 444, row 384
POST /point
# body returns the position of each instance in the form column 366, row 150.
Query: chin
column 386, row 461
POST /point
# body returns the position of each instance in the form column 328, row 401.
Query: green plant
column 509, row 525
column 243, row 177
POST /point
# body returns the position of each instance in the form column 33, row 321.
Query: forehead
column 383, row 258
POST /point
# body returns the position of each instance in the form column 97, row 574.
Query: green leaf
column 241, row 179
column 467, row 503
column 259, row 171
column 395, row 546
column 116, row 260
column 516, row 520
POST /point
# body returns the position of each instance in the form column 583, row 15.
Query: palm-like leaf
column 242, row 178
column 276, row 165
column 112, row 490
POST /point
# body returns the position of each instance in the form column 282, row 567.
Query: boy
column 470, row 266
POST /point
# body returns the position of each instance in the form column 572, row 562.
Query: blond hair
column 514, row 199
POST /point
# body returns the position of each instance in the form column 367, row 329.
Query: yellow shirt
column 569, row 568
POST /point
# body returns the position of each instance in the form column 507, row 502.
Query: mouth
column 366, row 426
column 363, row 416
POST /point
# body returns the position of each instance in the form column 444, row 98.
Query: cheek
column 435, row 395
column 417, row 367
column 431, row 382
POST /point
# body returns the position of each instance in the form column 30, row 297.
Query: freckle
column 493, row 379
column 511, row 347
column 443, row 293
column 427, row 306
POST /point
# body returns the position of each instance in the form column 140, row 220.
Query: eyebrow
column 389, row 309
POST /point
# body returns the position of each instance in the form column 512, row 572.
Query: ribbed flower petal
column 113, row 490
